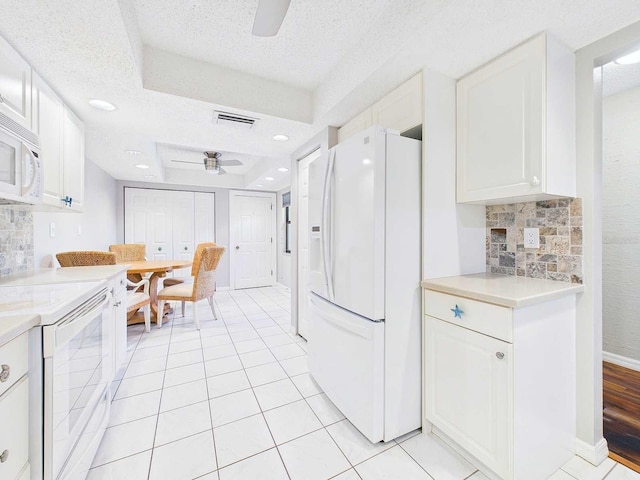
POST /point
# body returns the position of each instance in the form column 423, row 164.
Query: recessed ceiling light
column 366, row 161
column 280, row 138
column 259, row 185
column 283, row 169
column 270, row 179
column 142, row 165
column 102, row 105
column 134, row 153
column 633, row 57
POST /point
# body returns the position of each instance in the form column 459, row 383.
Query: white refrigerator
column 365, row 267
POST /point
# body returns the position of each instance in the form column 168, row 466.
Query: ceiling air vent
column 233, row 120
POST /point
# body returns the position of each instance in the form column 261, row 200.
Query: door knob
column 237, row 247
column 186, row 248
column 159, row 249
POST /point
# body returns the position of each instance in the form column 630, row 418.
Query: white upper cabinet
column 73, row 159
column 15, row 85
column 516, row 126
column 400, row 110
column 48, row 114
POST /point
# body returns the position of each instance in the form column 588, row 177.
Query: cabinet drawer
column 485, row 318
column 14, row 361
column 14, row 430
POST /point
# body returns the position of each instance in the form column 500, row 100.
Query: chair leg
column 213, row 310
column 147, row 317
column 195, row 316
column 160, row 312
column 183, row 308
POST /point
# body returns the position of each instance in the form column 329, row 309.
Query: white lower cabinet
column 119, row 302
column 500, row 382
column 14, row 409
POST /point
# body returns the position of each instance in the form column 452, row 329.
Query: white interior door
column 252, row 222
column 303, row 242
column 182, row 204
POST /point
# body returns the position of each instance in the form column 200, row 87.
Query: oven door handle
column 58, row 335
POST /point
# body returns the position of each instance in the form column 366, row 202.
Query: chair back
column 196, row 256
column 85, row 258
column 204, row 279
column 129, row 252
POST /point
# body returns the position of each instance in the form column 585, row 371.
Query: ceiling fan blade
column 221, row 171
column 185, row 161
column 230, row 163
column 269, row 17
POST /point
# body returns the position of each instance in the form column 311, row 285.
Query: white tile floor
column 234, row 401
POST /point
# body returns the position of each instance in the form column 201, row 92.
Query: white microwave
column 20, row 169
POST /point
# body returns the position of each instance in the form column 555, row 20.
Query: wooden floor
column 622, row 414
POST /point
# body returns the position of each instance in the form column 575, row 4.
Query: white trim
column 282, row 285
column 626, row 362
column 594, row 454
column 233, row 194
column 222, row 289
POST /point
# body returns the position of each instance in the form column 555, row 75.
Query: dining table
column 158, row 269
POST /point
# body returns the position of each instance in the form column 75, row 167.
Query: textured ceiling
column 331, row 60
column 313, row 36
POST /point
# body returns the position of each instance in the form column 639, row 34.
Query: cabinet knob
column 4, row 373
column 186, row 248
column 237, row 247
column 500, row 355
column 535, row 181
column 159, row 249
column 3, row 456
column 457, row 312
column 117, row 304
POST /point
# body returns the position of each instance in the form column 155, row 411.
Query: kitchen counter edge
column 503, row 290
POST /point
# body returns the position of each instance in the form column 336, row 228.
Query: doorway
column 303, row 241
column 252, row 231
column 621, row 258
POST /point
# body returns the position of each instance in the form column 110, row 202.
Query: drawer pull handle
column 4, row 374
column 457, row 313
column 117, row 304
column 500, row 355
column 4, row 456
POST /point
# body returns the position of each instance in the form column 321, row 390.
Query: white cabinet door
column 73, row 158
column 469, row 391
column 500, row 122
column 205, row 225
column 47, row 124
column 15, row 85
column 120, row 325
column 182, row 225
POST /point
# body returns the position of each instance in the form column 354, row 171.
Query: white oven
column 20, row 169
column 75, row 372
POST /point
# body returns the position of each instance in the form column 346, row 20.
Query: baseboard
column 281, row 285
column 621, row 361
column 222, row 289
column 594, row 454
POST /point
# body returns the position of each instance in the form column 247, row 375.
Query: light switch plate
column 531, row 238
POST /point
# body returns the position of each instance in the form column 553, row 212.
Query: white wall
column 284, row 259
column 93, row 229
column 621, row 224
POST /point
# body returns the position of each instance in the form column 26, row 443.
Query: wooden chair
column 204, row 283
column 135, row 299
column 130, row 252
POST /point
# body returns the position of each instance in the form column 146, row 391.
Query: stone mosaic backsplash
column 16, row 239
column 560, row 254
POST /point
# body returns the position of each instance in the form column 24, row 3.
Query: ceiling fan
column 213, row 164
column 269, row 17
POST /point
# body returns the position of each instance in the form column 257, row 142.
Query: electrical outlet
column 531, row 238
column 52, row 229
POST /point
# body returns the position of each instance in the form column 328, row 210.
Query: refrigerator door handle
column 326, row 238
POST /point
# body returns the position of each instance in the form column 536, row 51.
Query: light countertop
column 47, row 276
column 15, row 325
column 504, row 290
